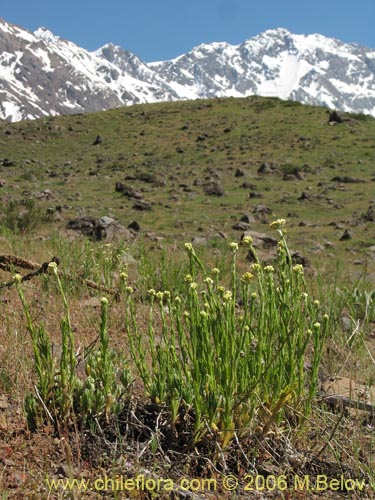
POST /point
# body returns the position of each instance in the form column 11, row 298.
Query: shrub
column 232, row 358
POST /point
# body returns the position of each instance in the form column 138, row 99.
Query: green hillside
column 170, row 153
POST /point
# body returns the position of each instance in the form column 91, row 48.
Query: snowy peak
column 42, row 74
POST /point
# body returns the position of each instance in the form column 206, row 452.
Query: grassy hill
column 171, row 153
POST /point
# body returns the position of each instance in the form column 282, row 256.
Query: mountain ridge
column 42, row 74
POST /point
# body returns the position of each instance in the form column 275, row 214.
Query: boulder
column 104, row 228
column 260, row 240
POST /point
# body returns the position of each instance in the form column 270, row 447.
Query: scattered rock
column 128, row 191
column 346, row 323
column 261, row 212
column 248, row 185
column 345, row 179
column 135, row 226
column 239, row 172
column 294, row 174
column 201, row 138
column 214, row 189
column 304, row 196
column 241, row 226
column 128, row 259
column 369, row 216
column 334, row 117
column 298, row 258
column 2, row 183
column 260, row 240
column 265, row 168
column 199, row 241
column 142, row 205
column 248, row 218
column 97, row 141
column 222, row 235
column 254, row 194
column 46, row 194
column 348, row 235
column 104, row 228
column 329, row 244
column 8, row 163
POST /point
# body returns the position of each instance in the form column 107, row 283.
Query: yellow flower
column 233, row 246
column 298, row 268
column 269, row 269
column 104, row 301
column 188, row 278
column 247, row 240
column 255, row 267
column 17, row 278
column 52, row 268
column 278, row 224
column 247, row 277
column 215, row 270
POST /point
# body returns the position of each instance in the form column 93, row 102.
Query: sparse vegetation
column 181, row 370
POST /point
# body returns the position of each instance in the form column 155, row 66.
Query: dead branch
column 10, row 262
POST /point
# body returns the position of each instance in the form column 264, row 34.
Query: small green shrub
column 22, row 216
column 59, row 396
column 232, row 358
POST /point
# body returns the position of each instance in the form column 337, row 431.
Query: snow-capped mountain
column 41, row 74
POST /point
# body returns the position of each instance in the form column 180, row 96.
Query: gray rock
column 104, row 228
column 260, row 240
column 346, row 323
column 142, row 205
column 199, row 241
column 241, row 226
column 348, row 235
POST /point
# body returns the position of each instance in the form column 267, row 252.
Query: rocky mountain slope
column 41, row 74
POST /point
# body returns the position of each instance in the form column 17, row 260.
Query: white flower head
column 269, row 269
column 52, row 268
column 278, row 224
column 247, row 240
column 189, row 247
column 298, row 268
column 233, row 246
column 247, row 277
